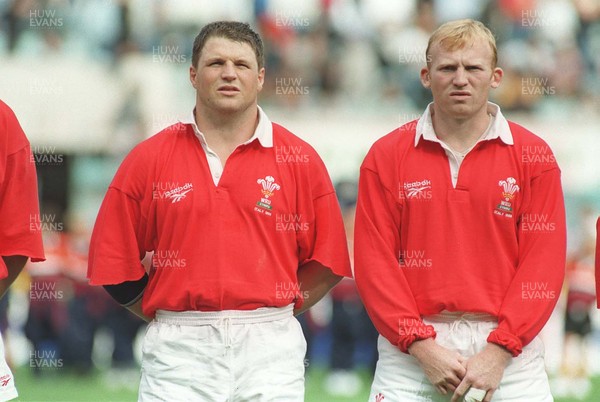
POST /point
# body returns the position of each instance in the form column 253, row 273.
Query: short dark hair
column 232, row 30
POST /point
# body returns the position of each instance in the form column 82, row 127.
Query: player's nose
column 228, row 71
column 460, row 77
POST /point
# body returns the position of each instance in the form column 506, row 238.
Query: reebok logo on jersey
column 179, row 193
column 5, row 379
column 420, row 189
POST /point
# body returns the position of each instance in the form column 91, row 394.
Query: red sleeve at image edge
column 597, row 262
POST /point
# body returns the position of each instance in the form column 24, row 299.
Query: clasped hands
column 448, row 371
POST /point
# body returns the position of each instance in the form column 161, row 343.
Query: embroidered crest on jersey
column 179, row 193
column 268, row 188
column 420, row 189
column 509, row 190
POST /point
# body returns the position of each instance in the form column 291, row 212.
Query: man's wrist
column 500, row 351
column 418, row 345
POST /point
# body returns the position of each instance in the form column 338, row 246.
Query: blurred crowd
column 339, row 50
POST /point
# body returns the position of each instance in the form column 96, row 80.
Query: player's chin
column 229, row 106
column 462, row 108
column 460, row 100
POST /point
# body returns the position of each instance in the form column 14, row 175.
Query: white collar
column 263, row 132
column 499, row 127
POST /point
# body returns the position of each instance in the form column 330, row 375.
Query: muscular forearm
column 315, row 281
column 14, row 266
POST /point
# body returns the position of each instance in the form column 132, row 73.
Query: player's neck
column 227, row 129
column 225, row 132
column 459, row 133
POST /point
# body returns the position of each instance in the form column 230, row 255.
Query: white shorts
column 231, row 355
column 399, row 378
column 8, row 390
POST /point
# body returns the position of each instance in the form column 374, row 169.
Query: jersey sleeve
column 534, row 290
column 598, row 263
column 117, row 243
column 381, row 283
column 325, row 240
column 328, row 244
column 20, row 232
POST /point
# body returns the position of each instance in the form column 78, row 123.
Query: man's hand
column 443, row 367
column 484, row 371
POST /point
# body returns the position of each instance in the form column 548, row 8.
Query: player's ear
column 425, row 77
column 496, row 77
column 261, row 78
column 193, row 74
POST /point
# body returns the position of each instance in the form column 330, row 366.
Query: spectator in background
column 351, row 329
column 92, row 309
column 14, row 20
column 405, row 54
column 581, row 296
column 47, row 316
column 337, row 41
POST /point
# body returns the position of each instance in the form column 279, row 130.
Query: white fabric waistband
column 235, row 317
column 451, row 316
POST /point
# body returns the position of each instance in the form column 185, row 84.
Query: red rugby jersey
column 495, row 244
column 235, row 246
column 20, row 221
